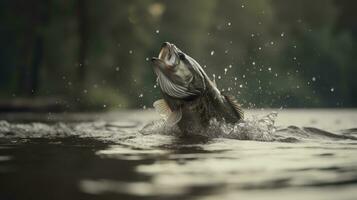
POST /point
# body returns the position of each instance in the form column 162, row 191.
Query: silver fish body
column 190, row 98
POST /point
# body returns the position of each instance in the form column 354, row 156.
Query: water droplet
column 242, row 6
column 282, row 34
column 212, row 53
column 313, row 79
column 141, row 95
column 294, row 58
column 229, row 23
column 155, row 86
column 117, row 69
column 225, row 70
column 235, row 78
column 241, row 86
column 85, row 91
column 269, row 68
column 271, row 43
column 219, row 77
column 104, row 106
column 276, row 75
column 260, row 48
column 332, row 89
column 147, row 59
column 253, row 63
column 144, row 107
column 157, row 31
column 243, row 76
column 230, row 66
column 130, row 51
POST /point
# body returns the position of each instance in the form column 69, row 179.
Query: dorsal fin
column 172, row 117
column 235, row 105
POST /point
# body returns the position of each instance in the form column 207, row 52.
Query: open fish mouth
column 165, row 51
column 167, row 55
column 165, row 69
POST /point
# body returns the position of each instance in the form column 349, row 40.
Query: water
column 294, row 154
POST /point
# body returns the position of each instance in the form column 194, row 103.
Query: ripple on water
column 5, row 158
column 230, row 161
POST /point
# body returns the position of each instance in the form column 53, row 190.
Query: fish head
column 179, row 75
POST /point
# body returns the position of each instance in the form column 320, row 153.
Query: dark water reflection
column 70, row 168
column 52, row 169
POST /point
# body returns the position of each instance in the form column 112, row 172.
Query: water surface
column 299, row 154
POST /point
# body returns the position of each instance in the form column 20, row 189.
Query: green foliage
column 280, row 53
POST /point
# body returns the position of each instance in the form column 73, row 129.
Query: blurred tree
column 319, row 53
column 83, row 37
column 26, row 45
column 96, row 53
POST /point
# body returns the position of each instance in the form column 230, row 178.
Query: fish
column 190, row 99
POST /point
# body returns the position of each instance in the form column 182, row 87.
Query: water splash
column 254, row 128
column 125, row 131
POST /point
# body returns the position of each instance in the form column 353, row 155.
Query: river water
column 281, row 154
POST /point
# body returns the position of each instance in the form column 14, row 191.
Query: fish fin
column 174, row 118
column 162, row 108
column 236, row 106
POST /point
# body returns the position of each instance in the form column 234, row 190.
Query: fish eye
column 181, row 56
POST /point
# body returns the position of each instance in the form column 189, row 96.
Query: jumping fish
column 190, row 98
